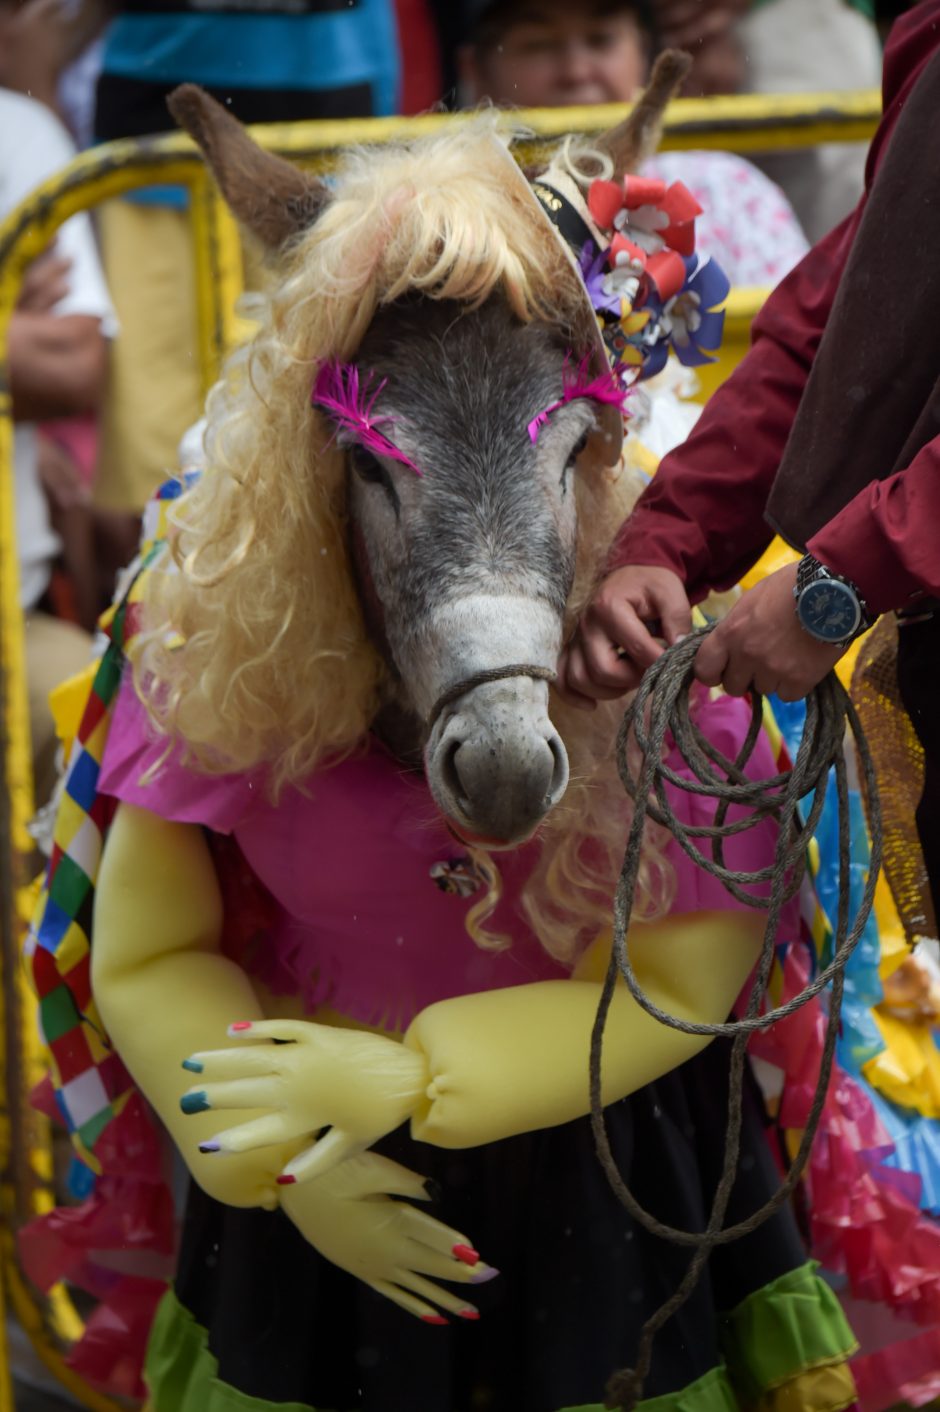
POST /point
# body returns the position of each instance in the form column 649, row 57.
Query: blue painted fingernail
column 193, row 1065
column 484, row 1277
column 211, row 1146
column 196, row 1102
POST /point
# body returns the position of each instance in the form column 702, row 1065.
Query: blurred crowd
column 102, row 345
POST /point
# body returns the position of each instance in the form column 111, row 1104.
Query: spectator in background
column 268, row 61
column 58, row 358
column 813, row 46
column 546, row 53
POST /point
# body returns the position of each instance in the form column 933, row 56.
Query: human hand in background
column 45, row 282
column 60, row 477
column 349, row 1216
column 622, row 632
column 684, row 23
column 705, row 29
column 360, row 1085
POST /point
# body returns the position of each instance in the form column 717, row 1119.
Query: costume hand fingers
column 407, row 1301
column 296, row 1031
column 452, row 1303
column 259, row 1132
column 325, row 1154
column 373, row 1175
column 235, row 1063
column 418, row 1225
column 238, row 1093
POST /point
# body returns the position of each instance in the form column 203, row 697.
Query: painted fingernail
column 211, row 1146
column 485, row 1275
column 195, row 1102
column 434, row 1189
column 240, row 1026
column 434, row 1319
column 469, row 1312
column 466, row 1253
column 193, row 1065
column 285, row 1179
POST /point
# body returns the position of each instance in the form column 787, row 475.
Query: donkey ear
column 273, row 198
column 637, row 137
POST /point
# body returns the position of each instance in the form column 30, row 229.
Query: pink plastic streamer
column 606, row 388
column 350, row 402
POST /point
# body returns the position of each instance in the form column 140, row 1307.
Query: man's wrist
column 829, row 607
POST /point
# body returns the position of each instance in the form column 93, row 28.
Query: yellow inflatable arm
column 163, row 988
column 512, row 1061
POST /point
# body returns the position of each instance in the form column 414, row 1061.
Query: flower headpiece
column 649, row 289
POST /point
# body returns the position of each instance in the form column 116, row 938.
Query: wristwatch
column 828, row 606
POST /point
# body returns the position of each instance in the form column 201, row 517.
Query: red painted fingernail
column 469, row 1313
column 240, row 1025
column 434, row 1319
column 285, row 1180
column 466, row 1253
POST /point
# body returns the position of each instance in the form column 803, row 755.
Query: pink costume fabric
column 370, row 888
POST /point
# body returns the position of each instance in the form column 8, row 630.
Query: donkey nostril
column 450, row 773
column 559, row 782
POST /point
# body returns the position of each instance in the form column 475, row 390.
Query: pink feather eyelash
column 605, row 388
column 339, row 391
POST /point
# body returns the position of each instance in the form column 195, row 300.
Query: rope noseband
column 488, row 674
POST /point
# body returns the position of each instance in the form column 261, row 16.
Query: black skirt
column 578, row 1276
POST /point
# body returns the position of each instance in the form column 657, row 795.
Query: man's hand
column 617, row 637
column 762, row 645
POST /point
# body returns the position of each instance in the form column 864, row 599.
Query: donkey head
column 460, row 494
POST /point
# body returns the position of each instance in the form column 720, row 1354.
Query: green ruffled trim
column 711, row 1393
column 183, row 1376
column 784, row 1329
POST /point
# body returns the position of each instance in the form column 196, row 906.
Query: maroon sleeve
column 703, row 513
column 885, row 540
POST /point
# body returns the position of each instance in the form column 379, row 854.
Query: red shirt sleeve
column 703, row 513
column 885, row 540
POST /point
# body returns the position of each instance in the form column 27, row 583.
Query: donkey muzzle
column 495, row 763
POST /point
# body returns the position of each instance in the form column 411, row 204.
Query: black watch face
column 829, row 610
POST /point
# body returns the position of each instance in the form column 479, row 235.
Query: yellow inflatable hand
column 362, row 1085
column 512, row 1061
column 349, row 1216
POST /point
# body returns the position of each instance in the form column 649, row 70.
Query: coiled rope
column 661, row 707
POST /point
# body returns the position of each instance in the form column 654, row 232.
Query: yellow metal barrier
column 738, row 124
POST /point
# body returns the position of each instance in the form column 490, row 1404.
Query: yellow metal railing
column 738, row 124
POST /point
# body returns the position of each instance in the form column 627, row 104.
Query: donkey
column 462, row 531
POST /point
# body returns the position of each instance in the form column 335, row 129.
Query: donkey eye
column 370, row 469
column 573, row 455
